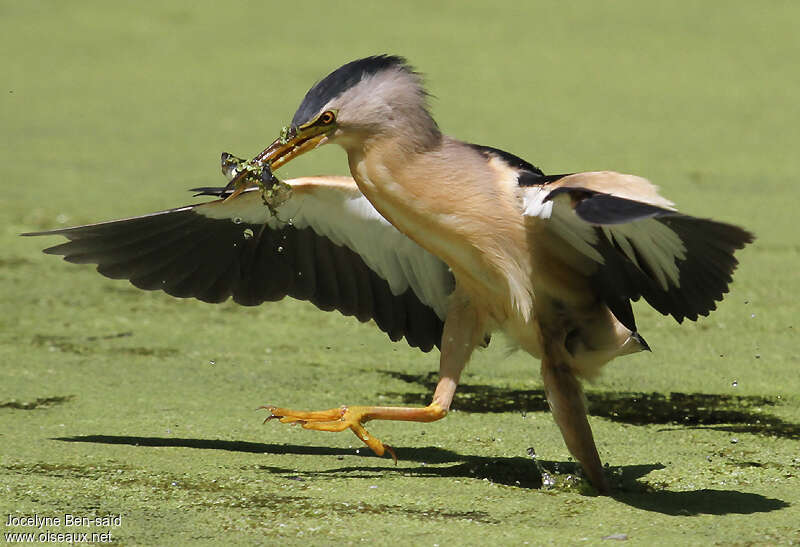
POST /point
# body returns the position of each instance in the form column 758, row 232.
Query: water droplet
column 752, row 315
column 531, row 452
column 299, row 274
column 237, row 220
column 758, row 356
column 734, row 440
column 280, row 248
column 212, row 362
column 735, row 383
column 248, row 233
column 290, row 222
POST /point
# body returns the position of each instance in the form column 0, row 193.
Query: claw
column 271, row 416
column 390, row 450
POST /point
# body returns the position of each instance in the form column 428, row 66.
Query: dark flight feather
column 186, row 254
column 703, row 275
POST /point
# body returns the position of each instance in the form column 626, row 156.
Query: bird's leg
column 566, row 400
column 463, row 330
column 354, row 418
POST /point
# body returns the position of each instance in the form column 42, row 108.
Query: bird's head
column 371, row 98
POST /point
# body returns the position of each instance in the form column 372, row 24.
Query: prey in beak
column 248, row 174
column 293, row 141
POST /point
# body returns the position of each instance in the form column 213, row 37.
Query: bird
column 438, row 241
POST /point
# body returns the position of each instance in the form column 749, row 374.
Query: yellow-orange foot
column 353, row 418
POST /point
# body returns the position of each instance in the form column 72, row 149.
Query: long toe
column 332, row 420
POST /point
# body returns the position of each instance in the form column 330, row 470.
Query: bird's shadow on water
column 518, row 472
column 734, row 413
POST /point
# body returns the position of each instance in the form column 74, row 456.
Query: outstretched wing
column 632, row 243
column 325, row 244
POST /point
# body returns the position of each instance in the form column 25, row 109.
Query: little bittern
column 438, row 241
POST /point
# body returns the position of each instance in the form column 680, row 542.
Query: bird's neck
column 401, row 142
column 454, row 204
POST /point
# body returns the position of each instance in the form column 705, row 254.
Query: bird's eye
column 327, row 118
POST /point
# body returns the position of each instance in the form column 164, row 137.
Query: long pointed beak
column 283, row 150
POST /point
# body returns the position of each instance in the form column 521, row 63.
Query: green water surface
column 115, row 401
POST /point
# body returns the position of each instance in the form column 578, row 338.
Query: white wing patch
column 342, row 214
column 533, row 203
